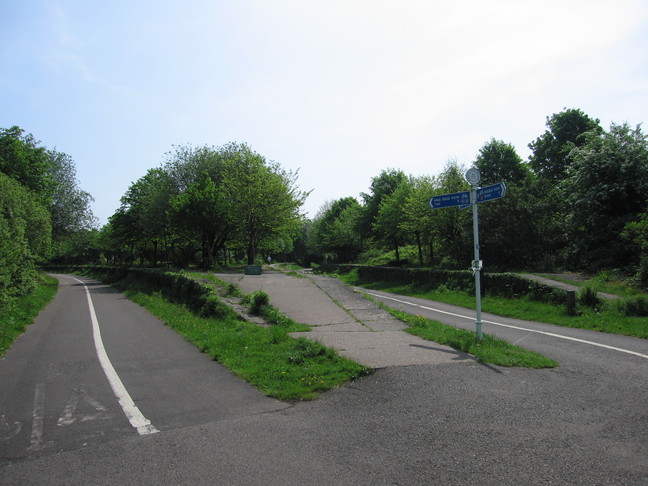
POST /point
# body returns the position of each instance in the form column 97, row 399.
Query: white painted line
column 38, row 416
column 560, row 336
column 133, row 414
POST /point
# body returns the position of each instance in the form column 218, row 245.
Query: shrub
column 588, row 295
column 259, row 300
column 213, row 307
column 635, row 306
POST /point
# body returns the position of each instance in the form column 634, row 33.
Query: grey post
column 473, row 177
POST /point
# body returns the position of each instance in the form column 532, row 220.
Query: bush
column 588, row 295
column 259, row 300
column 213, row 307
column 495, row 284
column 635, row 306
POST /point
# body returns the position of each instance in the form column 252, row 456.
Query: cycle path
column 343, row 319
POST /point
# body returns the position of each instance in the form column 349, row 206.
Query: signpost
column 471, row 198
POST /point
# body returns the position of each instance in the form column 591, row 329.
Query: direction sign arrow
column 489, row 193
column 461, row 199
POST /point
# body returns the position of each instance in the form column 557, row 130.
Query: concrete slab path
column 343, row 319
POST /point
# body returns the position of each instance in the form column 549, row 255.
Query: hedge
column 176, row 287
column 494, row 284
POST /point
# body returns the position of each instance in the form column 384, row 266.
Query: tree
column 335, row 230
column 390, row 214
column 550, row 158
column 381, row 187
column 25, row 238
column 498, row 161
column 70, row 205
column 264, row 198
column 24, row 161
column 143, row 217
column 606, row 190
column 636, row 233
column 454, row 231
column 507, row 231
column 202, row 210
column 418, row 218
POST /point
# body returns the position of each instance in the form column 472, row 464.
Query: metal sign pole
column 462, row 200
column 477, row 265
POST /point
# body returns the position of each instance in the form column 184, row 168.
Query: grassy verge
column 267, row 357
column 489, row 349
column 604, row 282
column 21, row 312
column 607, row 318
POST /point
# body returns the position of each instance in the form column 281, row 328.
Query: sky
column 338, row 90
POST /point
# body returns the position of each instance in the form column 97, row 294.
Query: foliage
column 335, row 230
column 500, row 284
column 606, row 189
column 551, row 151
column 608, row 318
column 23, row 160
column 498, row 161
column 208, row 200
column 50, row 177
column 487, row 350
column 588, row 295
column 636, row 232
column 258, row 300
column 25, row 238
column 21, row 311
column 381, row 187
column 636, row 306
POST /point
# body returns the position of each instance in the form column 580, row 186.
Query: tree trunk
column 420, row 248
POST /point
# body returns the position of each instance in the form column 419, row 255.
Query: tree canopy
column 209, row 200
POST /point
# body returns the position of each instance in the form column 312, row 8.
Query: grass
column 20, row 312
column 267, row 357
column 604, row 282
column 607, row 318
column 489, row 349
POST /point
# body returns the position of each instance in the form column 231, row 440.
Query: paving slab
column 343, row 319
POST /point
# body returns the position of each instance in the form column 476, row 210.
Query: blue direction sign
column 489, row 193
column 461, row 199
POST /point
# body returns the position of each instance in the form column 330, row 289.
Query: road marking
column 79, row 395
column 560, row 336
column 7, row 430
column 133, row 414
column 38, row 416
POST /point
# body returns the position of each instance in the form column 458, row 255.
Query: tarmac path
column 451, row 422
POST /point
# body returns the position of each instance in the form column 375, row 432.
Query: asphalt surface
column 450, row 422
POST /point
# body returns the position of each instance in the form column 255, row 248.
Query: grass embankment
column 489, row 349
column 608, row 316
column 20, row 312
column 267, row 357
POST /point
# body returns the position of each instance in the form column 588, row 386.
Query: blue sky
column 340, row 89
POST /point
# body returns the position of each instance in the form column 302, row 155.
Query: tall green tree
column 508, row 236
column 391, row 213
column 565, row 131
column 335, row 230
column 381, row 187
column 419, row 219
column 69, row 206
column 25, row 238
column 453, row 235
column 606, row 190
column 201, row 212
column 22, row 159
column 265, row 199
column 498, row 161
